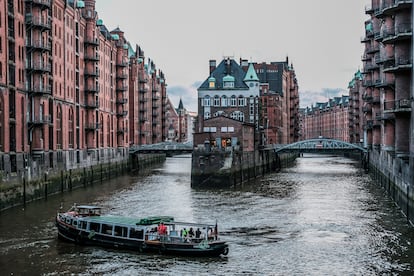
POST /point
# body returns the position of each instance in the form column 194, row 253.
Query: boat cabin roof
column 89, row 207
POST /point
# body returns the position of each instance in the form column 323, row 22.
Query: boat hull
column 77, row 236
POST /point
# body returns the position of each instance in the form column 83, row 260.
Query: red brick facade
column 72, row 93
column 329, row 119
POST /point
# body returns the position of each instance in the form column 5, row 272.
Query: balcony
column 402, row 31
column 39, row 120
column 142, row 80
column 384, row 60
column 41, row 3
column 38, row 66
column 122, row 76
column 143, row 119
column 143, row 90
column 92, row 73
column 121, row 113
column 38, row 22
column 92, row 126
column 39, row 89
column 92, row 89
column 401, row 64
column 367, row 98
column 372, row 49
column 143, row 100
column 122, row 64
column 391, row 7
column 38, row 45
column 91, row 41
column 91, row 57
column 397, row 106
column 368, row 83
column 384, row 83
column 121, row 88
column 121, row 101
column 92, row 104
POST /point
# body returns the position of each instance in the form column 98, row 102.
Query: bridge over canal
column 325, row 146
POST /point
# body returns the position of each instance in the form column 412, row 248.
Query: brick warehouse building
column 387, row 75
column 237, row 98
column 328, row 119
column 72, row 93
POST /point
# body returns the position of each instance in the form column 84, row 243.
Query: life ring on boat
column 225, row 251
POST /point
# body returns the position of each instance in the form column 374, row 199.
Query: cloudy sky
column 320, row 37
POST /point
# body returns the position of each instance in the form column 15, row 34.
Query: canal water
column 323, row 216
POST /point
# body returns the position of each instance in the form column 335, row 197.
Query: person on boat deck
column 191, row 232
column 184, row 233
column 162, row 229
column 198, row 233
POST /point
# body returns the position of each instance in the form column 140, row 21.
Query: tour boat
column 84, row 224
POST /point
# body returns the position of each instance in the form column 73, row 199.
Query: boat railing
column 175, row 237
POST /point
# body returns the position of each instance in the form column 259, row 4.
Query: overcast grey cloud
column 320, row 37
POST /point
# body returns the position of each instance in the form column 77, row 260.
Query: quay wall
column 22, row 191
column 230, row 168
column 396, row 178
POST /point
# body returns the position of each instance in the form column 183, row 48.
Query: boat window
column 121, row 231
column 82, row 224
column 75, row 222
column 107, row 229
column 94, row 226
column 136, row 234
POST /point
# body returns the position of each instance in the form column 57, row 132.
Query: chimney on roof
column 212, row 64
column 244, row 63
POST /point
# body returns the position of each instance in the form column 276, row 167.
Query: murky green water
column 323, row 216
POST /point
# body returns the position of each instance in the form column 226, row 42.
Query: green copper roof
column 211, row 79
column 228, row 78
column 358, row 75
column 115, row 37
column 369, row 27
column 251, row 74
column 80, row 4
column 99, row 22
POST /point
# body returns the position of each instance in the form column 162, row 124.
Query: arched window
column 233, row 101
column 216, row 101
column 224, row 101
column 241, row 101
column 206, row 101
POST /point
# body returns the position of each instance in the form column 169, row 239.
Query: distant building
column 329, row 119
column 356, row 109
column 279, row 98
column 228, row 102
column 261, row 96
column 180, row 123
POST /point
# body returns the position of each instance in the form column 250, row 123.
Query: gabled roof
column 251, row 74
column 226, row 67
